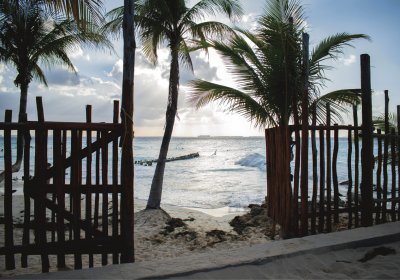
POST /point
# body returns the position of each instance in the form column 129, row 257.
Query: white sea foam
column 253, row 160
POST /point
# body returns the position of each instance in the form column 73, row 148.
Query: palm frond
column 203, row 8
column 379, row 122
column 203, row 92
column 338, row 101
column 82, row 11
column 114, row 21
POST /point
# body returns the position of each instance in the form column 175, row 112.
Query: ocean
column 230, row 171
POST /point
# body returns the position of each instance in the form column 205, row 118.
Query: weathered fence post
column 350, row 176
column 328, row 170
column 356, row 165
column 115, row 203
column 378, row 179
column 393, row 162
column 27, row 198
column 40, row 180
column 385, row 157
column 367, row 203
column 89, row 177
column 398, row 169
column 321, row 220
column 279, row 191
column 315, row 170
column 8, row 216
column 334, row 174
column 304, row 140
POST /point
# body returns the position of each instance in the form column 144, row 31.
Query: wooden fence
column 75, row 204
column 315, row 201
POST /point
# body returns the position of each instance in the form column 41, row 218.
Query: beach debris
column 189, row 219
column 379, row 251
column 251, row 219
column 188, row 234
column 174, row 223
column 150, row 162
column 220, row 234
column 256, row 218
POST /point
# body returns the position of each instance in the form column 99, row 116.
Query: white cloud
column 77, row 52
column 116, row 71
column 351, row 59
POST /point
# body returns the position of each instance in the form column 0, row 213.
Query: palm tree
column 29, row 38
column 172, row 23
column 266, row 65
column 268, row 71
column 82, row 11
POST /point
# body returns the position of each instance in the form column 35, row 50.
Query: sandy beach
column 203, row 230
column 207, row 232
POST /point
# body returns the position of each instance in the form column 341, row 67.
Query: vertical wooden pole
column 328, row 169
column 75, row 190
column 321, row 221
column 378, row 179
column 40, row 178
column 88, row 203
column 315, row 172
column 127, row 170
column 59, row 174
column 334, row 174
column 8, row 215
column 350, row 176
column 104, row 179
column 398, row 152
column 296, row 179
column 393, row 187
column 356, row 165
column 79, row 189
column 304, row 139
column 385, row 158
column 279, row 192
column 115, row 212
column 27, row 199
column 367, row 203
column 96, row 199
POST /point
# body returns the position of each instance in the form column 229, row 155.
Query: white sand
column 150, row 243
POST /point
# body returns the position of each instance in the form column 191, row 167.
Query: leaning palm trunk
column 157, row 183
column 20, row 136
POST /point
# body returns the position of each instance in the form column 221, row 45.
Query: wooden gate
column 74, row 201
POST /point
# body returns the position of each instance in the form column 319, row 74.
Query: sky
column 99, row 73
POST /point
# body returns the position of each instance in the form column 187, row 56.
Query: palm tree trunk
column 157, row 183
column 22, row 117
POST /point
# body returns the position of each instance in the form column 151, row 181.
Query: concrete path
column 259, row 261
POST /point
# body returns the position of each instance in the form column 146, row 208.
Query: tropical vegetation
column 267, row 67
column 32, row 37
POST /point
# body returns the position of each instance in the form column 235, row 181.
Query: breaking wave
column 253, row 160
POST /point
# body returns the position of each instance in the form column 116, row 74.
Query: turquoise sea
column 230, row 171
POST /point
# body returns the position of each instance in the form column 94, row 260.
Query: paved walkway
column 340, row 264
column 293, row 258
